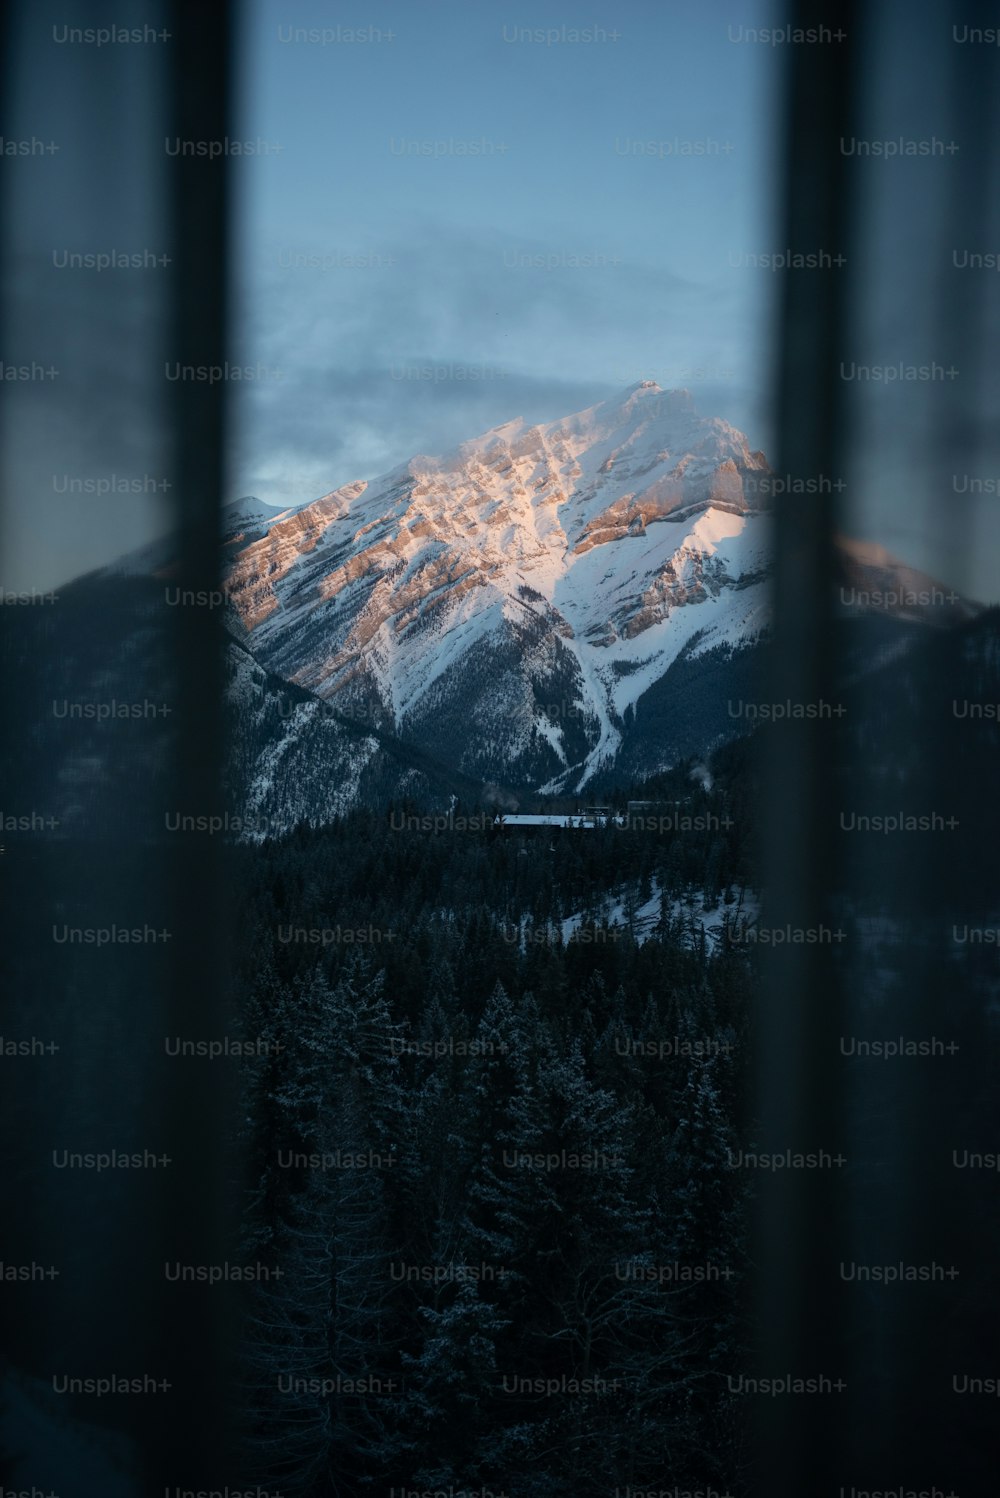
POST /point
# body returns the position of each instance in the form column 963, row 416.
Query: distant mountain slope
column 92, row 676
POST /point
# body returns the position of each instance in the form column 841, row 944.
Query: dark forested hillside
column 497, row 1241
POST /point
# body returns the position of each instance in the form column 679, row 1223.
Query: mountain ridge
column 542, row 608
column 562, row 551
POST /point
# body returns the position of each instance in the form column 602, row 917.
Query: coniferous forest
column 492, row 1235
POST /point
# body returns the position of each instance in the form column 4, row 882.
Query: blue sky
column 650, row 149
column 475, row 266
column 585, row 224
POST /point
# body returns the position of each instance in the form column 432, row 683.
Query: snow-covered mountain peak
column 545, row 600
column 578, row 557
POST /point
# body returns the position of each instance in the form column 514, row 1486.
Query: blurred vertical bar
column 199, row 1108
column 914, row 81
column 98, row 171
column 800, row 1222
column 911, row 1203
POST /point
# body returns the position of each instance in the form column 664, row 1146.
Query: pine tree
column 320, row 1358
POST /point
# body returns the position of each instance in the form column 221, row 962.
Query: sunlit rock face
column 512, row 600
